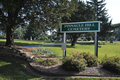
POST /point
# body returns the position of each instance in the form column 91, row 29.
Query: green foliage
column 18, row 33
column 118, row 33
column 84, row 12
column 43, row 51
column 102, row 43
column 32, row 33
column 53, row 55
column 74, row 63
column 41, row 14
column 11, row 69
column 46, row 62
column 92, row 61
column 102, row 15
column 2, row 36
column 111, row 63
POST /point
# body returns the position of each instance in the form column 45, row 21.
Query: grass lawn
column 14, row 70
column 110, row 49
column 28, row 42
column 11, row 70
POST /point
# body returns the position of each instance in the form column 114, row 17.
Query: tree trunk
column 74, row 38
column 10, row 36
column 73, row 42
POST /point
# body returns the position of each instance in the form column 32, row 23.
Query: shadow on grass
column 68, row 46
column 85, row 43
column 24, row 44
column 28, row 42
column 2, row 42
column 12, row 68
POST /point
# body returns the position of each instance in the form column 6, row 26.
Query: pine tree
column 101, row 15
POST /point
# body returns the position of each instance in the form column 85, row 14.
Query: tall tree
column 32, row 33
column 84, row 12
column 44, row 13
column 117, row 31
column 101, row 15
column 19, row 33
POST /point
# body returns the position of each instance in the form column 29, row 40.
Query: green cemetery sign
column 91, row 26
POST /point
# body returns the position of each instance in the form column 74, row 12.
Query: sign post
column 64, row 45
column 77, row 27
column 96, row 44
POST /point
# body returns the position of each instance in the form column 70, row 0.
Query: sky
column 113, row 10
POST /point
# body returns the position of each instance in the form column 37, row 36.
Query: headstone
column 34, row 38
column 111, row 41
column 31, row 38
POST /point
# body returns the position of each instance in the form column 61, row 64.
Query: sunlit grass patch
column 11, row 70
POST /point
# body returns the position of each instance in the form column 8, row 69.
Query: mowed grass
column 14, row 70
column 27, row 42
column 109, row 49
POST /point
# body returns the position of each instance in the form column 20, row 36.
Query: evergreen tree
column 84, row 12
column 102, row 15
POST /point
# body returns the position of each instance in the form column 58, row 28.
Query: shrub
column 77, row 55
column 101, row 43
column 53, row 55
column 46, row 62
column 42, row 51
column 49, row 62
column 92, row 61
column 74, row 63
column 111, row 63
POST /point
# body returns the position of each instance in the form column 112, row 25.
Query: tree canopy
column 43, row 14
column 102, row 15
column 83, row 13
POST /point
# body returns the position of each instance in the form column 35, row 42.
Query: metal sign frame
column 77, row 27
column 90, row 22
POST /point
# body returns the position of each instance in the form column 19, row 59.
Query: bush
column 88, row 39
column 101, row 43
column 111, row 63
column 53, row 55
column 74, row 63
column 46, row 62
column 92, row 61
column 42, row 51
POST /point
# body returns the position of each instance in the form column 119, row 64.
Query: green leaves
column 102, row 15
